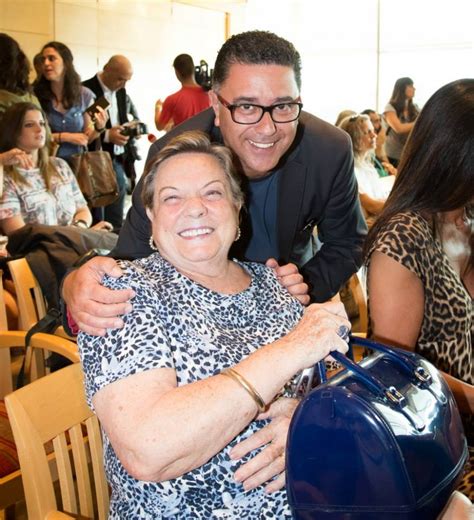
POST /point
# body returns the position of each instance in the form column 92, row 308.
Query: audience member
column 342, row 115
column 202, row 357
column 373, row 189
column 417, row 300
column 64, row 101
column 116, row 140
column 400, row 114
column 38, row 66
column 380, row 153
column 14, row 71
column 299, row 176
column 42, row 189
column 188, row 101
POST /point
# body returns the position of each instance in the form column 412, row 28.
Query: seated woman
column 37, row 189
column 418, row 298
column 382, row 164
column 373, row 189
column 188, row 392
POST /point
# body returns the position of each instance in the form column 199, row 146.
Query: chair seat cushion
column 8, row 454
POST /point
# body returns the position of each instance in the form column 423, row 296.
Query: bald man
column 110, row 83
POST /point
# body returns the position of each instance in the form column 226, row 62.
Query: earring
column 151, row 242
column 238, row 235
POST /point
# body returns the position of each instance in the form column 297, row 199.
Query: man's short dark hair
column 256, row 48
column 184, row 65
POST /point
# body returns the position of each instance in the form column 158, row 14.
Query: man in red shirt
column 185, row 103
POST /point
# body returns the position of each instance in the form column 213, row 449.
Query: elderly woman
column 36, row 188
column 373, row 188
column 420, row 293
column 188, row 391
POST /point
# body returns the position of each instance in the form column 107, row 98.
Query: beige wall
column 149, row 32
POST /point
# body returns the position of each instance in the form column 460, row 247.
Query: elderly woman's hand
column 322, row 329
column 270, row 462
column 291, row 279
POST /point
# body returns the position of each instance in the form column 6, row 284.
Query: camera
column 203, row 75
column 134, row 129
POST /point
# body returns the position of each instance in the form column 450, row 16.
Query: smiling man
column 298, row 176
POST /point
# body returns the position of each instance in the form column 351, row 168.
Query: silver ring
column 343, row 332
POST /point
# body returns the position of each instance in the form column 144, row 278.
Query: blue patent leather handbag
column 381, row 440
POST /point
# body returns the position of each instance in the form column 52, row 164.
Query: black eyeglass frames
column 249, row 113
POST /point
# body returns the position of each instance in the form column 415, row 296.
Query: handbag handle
column 389, row 394
column 402, row 359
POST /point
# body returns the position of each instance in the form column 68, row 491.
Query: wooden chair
column 46, row 410
column 31, row 302
column 11, row 487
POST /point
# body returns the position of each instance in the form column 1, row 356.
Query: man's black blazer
column 124, row 105
column 317, row 189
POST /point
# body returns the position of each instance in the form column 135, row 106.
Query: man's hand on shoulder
column 93, row 307
column 291, row 279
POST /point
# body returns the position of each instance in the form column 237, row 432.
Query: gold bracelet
column 233, row 374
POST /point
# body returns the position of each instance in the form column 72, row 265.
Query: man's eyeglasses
column 249, row 114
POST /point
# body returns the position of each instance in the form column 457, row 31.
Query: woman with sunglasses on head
column 400, row 114
column 64, row 101
column 373, row 188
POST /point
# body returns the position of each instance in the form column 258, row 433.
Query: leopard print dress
column 448, row 325
column 177, row 323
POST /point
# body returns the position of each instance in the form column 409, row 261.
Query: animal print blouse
column 177, row 323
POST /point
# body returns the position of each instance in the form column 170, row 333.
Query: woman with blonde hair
column 373, row 189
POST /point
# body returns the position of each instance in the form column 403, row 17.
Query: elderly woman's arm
column 161, row 431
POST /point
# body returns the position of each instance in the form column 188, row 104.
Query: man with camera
column 188, row 101
column 118, row 138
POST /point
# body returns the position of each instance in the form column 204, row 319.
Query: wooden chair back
column 5, row 359
column 31, row 304
column 54, row 408
column 11, row 487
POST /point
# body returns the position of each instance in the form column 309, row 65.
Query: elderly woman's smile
column 194, row 217
column 195, row 232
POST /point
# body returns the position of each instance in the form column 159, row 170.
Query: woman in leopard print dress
column 209, row 343
column 421, row 298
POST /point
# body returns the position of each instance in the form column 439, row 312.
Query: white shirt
column 370, row 183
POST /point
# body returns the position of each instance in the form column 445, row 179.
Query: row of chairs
column 57, row 442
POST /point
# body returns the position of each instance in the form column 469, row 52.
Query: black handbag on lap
column 381, row 440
